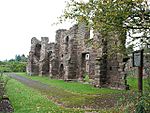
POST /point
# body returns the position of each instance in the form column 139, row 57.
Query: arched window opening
column 67, row 39
column 61, row 71
column 87, row 56
column 37, row 50
column 67, row 43
column 91, row 33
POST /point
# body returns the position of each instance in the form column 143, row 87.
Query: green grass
column 28, row 100
column 133, row 83
column 74, row 87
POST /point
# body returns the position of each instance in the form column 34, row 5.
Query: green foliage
column 4, row 68
column 140, row 106
column 21, row 58
column 18, row 58
column 136, row 102
column 3, row 83
column 18, row 66
column 146, row 96
column 112, row 17
column 130, row 49
column 13, row 66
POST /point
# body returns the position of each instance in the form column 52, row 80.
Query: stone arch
column 66, row 43
column 67, row 39
column 61, row 71
column 85, row 63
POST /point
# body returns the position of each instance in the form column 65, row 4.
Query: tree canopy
column 123, row 17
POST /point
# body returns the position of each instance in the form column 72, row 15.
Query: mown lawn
column 133, row 83
column 74, row 87
column 27, row 100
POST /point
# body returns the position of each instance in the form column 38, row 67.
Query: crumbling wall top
column 34, row 40
column 45, row 39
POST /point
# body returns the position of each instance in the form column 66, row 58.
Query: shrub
column 13, row 66
column 86, row 78
column 138, row 103
column 3, row 83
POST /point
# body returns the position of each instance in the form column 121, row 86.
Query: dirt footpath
column 64, row 98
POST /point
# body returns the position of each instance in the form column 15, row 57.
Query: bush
column 138, row 103
column 3, row 83
column 13, row 66
column 5, row 69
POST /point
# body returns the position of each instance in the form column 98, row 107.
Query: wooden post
column 140, row 79
column 138, row 62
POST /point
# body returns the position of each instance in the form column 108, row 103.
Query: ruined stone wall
column 38, row 61
column 71, row 52
column 67, row 52
column 53, row 62
column 81, row 37
column 75, row 55
column 34, row 56
column 116, row 72
column 114, row 69
column 109, row 68
column 44, row 58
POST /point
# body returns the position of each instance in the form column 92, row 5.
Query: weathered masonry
column 71, row 58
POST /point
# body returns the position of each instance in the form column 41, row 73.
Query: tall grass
column 3, row 83
column 137, row 102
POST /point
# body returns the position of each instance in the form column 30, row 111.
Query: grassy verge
column 27, row 100
column 133, row 83
column 74, row 87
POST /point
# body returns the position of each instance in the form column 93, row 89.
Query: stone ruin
column 71, row 58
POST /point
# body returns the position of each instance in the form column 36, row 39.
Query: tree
column 112, row 16
column 18, row 58
column 23, row 58
column 129, row 49
column 121, row 17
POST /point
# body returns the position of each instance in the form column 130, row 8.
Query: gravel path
column 31, row 83
column 63, row 98
column 44, row 88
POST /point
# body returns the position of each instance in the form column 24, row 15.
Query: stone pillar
column 50, row 69
column 66, row 72
column 33, row 65
column 44, row 60
column 123, row 76
column 97, row 73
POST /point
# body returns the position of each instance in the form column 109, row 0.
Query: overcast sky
column 20, row 20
